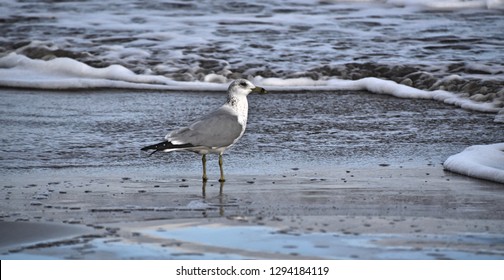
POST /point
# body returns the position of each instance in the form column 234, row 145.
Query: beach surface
column 331, row 175
column 372, row 213
column 343, row 160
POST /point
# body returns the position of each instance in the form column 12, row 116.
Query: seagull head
column 244, row 87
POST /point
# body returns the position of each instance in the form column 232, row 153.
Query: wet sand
column 385, row 212
column 335, row 175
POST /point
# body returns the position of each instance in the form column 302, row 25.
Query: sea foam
column 377, row 86
column 479, row 161
column 449, row 5
column 65, row 73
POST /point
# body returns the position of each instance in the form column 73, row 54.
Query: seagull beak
column 259, row 90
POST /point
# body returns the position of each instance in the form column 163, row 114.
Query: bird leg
column 221, row 170
column 203, row 189
column 203, row 161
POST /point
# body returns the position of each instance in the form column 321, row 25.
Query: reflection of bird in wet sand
column 215, row 132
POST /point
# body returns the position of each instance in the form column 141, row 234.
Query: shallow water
column 221, row 241
column 104, row 130
column 330, row 245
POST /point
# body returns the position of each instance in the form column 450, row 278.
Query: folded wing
column 219, row 129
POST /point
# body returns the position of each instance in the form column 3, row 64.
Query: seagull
column 215, row 132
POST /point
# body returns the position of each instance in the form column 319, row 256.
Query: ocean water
column 423, row 41
column 161, row 63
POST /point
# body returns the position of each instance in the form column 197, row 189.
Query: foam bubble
column 215, row 78
column 479, row 161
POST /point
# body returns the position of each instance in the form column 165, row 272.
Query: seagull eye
column 243, row 84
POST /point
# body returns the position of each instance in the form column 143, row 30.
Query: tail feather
column 166, row 145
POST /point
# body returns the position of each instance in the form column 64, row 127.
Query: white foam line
column 377, row 86
column 66, row 73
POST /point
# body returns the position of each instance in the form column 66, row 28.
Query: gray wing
column 218, row 129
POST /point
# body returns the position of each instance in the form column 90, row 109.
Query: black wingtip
column 150, row 148
column 154, row 147
column 164, row 146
